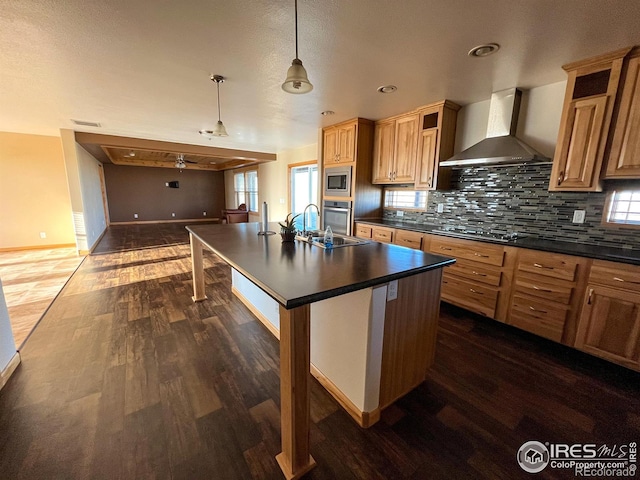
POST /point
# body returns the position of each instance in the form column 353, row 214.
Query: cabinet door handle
column 542, row 289
column 479, row 274
column 445, row 248
column 560, row 177
column 475, row 291
column 536, row 310
column 537, row 265
column 590, row 296
column 480, row 255
column 429, row 182
column 618, row 279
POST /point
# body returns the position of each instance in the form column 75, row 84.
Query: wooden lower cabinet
column 546, row 294
column 382, row 234
column 609, row 325
column 480, row 279
column 591, row 305
column 407, row 238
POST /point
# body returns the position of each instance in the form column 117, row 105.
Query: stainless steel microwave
column 337, row 181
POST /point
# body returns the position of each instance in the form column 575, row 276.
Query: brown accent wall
column 143, row 190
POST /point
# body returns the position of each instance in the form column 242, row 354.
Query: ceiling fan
column 181, row 162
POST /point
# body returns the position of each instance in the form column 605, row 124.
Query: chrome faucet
column 304, row 217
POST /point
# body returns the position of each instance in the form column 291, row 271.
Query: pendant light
column 218, row 130
column 297, row 80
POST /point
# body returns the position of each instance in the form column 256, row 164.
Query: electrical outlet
column 173, row 214
column 399, row 213
column 578, row 216
column 440, row 208
column 135, row 215
column 282, row 201
column 166, row 184
column 392, row 290
column 204, row 214
column 43, row 234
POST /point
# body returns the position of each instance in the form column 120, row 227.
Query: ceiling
column 141, row 68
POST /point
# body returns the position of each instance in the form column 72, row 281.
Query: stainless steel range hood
column 501, row 147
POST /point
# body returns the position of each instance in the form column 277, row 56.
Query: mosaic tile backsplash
column 515, row 199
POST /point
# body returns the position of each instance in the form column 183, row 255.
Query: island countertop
column 297, row 273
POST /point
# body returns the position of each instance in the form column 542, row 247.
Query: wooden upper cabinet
column 592, row 89
column 330, row 146
column 395, row 149
column 405, row 149
column 578, row 162
column 340, row 143
column 435, row 143
column 384, row 139
column 347, row 143
column 426, row 166
column 624, row 156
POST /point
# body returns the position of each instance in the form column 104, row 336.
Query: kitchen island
column 302, row 278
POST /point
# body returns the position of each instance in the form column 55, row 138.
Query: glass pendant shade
column 219, row 130
column 297, row 80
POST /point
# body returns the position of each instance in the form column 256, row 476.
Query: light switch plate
column 392, row 290
column 440, row 208
column 578, row 216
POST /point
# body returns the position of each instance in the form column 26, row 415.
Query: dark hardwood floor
column 126, row 378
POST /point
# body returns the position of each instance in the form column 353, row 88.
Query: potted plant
column 288, row 228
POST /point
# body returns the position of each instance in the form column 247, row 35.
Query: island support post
column 197, row 268
column 295, row 363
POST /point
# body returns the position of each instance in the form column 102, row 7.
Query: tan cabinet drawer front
column 555, row 293
column 363, row 231
column 468, row 249
column 552, row 265
column 408, row 239
column 476, row 272
column 536, row 316
column 618, row 275
column 479, row 299
column 384, row 235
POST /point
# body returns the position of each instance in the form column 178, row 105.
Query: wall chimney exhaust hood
column 501, row 147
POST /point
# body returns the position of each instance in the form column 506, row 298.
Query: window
column 245, row 185
column 304, row 190
column 405, row 199
column 624, row 208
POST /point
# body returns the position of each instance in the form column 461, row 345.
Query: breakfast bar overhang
column 297, row 275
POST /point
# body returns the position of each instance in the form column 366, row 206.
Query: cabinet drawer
column 533, row 287
column 476, row 272
column 468, row 249
column 479, row 299
column 363, row 231
column 618, row 275
column 537, row 316
column 552, row 265
column 384, row 235
column 408, row 239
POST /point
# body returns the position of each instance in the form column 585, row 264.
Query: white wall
column 95, row 222
column 7, row 343
column 538, row 122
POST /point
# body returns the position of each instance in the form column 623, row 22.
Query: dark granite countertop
column 613, row 254
column 296, row 274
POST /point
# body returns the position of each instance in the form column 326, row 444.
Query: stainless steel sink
column 317, row 239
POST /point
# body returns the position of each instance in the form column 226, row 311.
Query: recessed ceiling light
column 387, row 89
column 484, row 50
column 327, row 112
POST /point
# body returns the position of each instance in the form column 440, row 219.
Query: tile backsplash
column 515, row 199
